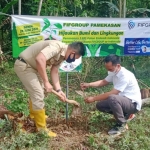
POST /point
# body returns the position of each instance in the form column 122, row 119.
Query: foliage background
column 79, row 8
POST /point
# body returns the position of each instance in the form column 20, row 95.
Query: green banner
column 101, row 36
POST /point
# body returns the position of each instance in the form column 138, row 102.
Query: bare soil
column 72, row 134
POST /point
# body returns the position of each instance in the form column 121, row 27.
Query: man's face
column 71, row 55
column 112, row 68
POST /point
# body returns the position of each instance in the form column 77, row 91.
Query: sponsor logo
column 131, row 24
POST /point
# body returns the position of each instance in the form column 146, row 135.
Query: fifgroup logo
column 131, row 24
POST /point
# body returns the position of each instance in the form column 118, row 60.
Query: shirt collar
column 64, row 50
column 119, row 74
column 62, row 53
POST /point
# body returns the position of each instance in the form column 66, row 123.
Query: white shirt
column 125, row 82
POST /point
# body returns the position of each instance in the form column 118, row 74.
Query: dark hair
column 112, row 58
column 79, row 47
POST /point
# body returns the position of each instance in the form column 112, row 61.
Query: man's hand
column 63, row 96
column 89, row 99
column 84, row 85
column 48, row 87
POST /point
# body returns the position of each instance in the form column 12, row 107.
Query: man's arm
column 55, row 77
column 41, row 67
column 101, row 96
column 106, row 95
column 99, row 83
column 56, row 82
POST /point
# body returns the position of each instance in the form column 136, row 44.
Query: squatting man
column 30, row 67
column 123, row 101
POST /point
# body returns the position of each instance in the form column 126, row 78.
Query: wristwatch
column 58, row 90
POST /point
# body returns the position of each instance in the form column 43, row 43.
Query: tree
column 39, row 9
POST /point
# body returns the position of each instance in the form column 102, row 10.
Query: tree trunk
column 19, row 6
column 120, row 8
column 62, row 5
column 12, row 9
column 75, row 8
column 110, row 14
column 124, row 9
column 39, row 9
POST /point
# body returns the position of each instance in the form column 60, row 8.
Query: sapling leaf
column 58, row 25
column 47, row 24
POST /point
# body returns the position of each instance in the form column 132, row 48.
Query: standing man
column 30, row 67
column 123, row 100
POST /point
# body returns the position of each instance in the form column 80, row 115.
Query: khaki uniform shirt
column 54, row 52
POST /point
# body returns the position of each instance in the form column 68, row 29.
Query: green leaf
column 47, row 31
column 80, row 6
column 7, row 7
column 141, row 10
column 58, row 25
column 50, row 37
column 46, row 21
column 111, row 5
column 118, row 52
column 47, row 24
column 84, row 2
column 110, row 47
column 92, row 1
column 54, row 31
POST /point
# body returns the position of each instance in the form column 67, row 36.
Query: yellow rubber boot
column 40, row 121
column 31, row 111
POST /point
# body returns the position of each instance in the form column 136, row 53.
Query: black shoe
column 118, row 129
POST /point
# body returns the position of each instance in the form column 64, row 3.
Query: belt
column 21, row 59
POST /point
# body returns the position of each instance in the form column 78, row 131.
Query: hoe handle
column 67, row 100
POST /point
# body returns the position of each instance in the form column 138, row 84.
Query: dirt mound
column 71, row 134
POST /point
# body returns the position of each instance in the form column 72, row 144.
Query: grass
column 95, row 137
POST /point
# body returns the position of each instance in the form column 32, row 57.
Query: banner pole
column 67, row 97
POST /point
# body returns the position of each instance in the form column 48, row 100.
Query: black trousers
column 117, row 105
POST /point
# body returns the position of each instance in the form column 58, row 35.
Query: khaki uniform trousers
column 32, row 82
